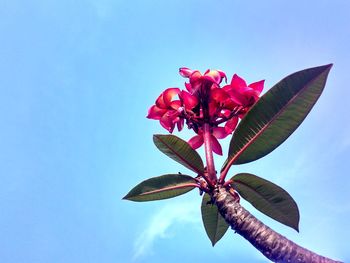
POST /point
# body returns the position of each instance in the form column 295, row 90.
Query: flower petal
column 160, row 101
column 185, row 72
column 189, row 87
column 258, row 86
column 155, row 112
column 220, row 132
column 176, row 104
column 219, row 95
column 180, row 124
column 167, row 122
column 237, row 97
column 227, row 88
column 189, row 101
column 213, row 108
column 169, row 94
column 222, row 75
column 215, row 145
column 231, row 124
column 213, row 75
column 238, row 82
column 196, row 141
column 195, row 76
column 229, row 105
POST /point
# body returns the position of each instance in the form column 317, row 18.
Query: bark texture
column 274, row 246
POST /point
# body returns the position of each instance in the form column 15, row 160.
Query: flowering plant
column 258, row 126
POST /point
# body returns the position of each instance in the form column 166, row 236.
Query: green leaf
column 214, row 224
column 161, row 187
column 276, row 115
column 180, row 151
column 268, row 198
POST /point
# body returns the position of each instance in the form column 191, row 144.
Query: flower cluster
column 204, row 101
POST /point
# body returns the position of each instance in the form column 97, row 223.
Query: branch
column 274, row 246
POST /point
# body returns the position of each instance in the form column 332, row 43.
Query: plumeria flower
column 242, row 94
column 167, row 110
column 170, row 112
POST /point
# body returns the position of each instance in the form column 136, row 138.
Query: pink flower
column 242, row 94
column 169, row 111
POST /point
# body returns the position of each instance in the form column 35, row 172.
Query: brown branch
column 274, row 246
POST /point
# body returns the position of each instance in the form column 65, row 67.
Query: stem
column 233, row 113
column 209, row 154
column 274, row 246
column 229, row 164
column 226, row 169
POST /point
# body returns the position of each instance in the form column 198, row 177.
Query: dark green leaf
column 161, row 187
column 276, row 115
column 180, row 151
column 268, row 198
column 214, row 224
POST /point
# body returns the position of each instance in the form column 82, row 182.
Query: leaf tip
column 125, row 197
column 129, row 197
column 296, row 227
column 328, row 66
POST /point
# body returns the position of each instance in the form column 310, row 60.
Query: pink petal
column 237, row 97
column 189, row 87
column 180, row 124
column 258, row 86
column 219, row 95
column 251, row 96
column 227, row 88
column 231, row 124
column 238, row 82
column 172, row 114
column 185, row 72
column 195, row 76
column 189, row 101
column 215, row 145
column 160, row 101
column 167, row 123
column 229, row 105
column 213, row 75
column 220, row 132
column 222, row 75
column 213, row 107
column 169, row 94
column 176, row 104
column 196, row 141
column 155, row 112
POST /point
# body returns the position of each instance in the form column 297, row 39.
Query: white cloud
column 159, row 224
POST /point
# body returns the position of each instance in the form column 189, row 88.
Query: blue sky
column 76, row 80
